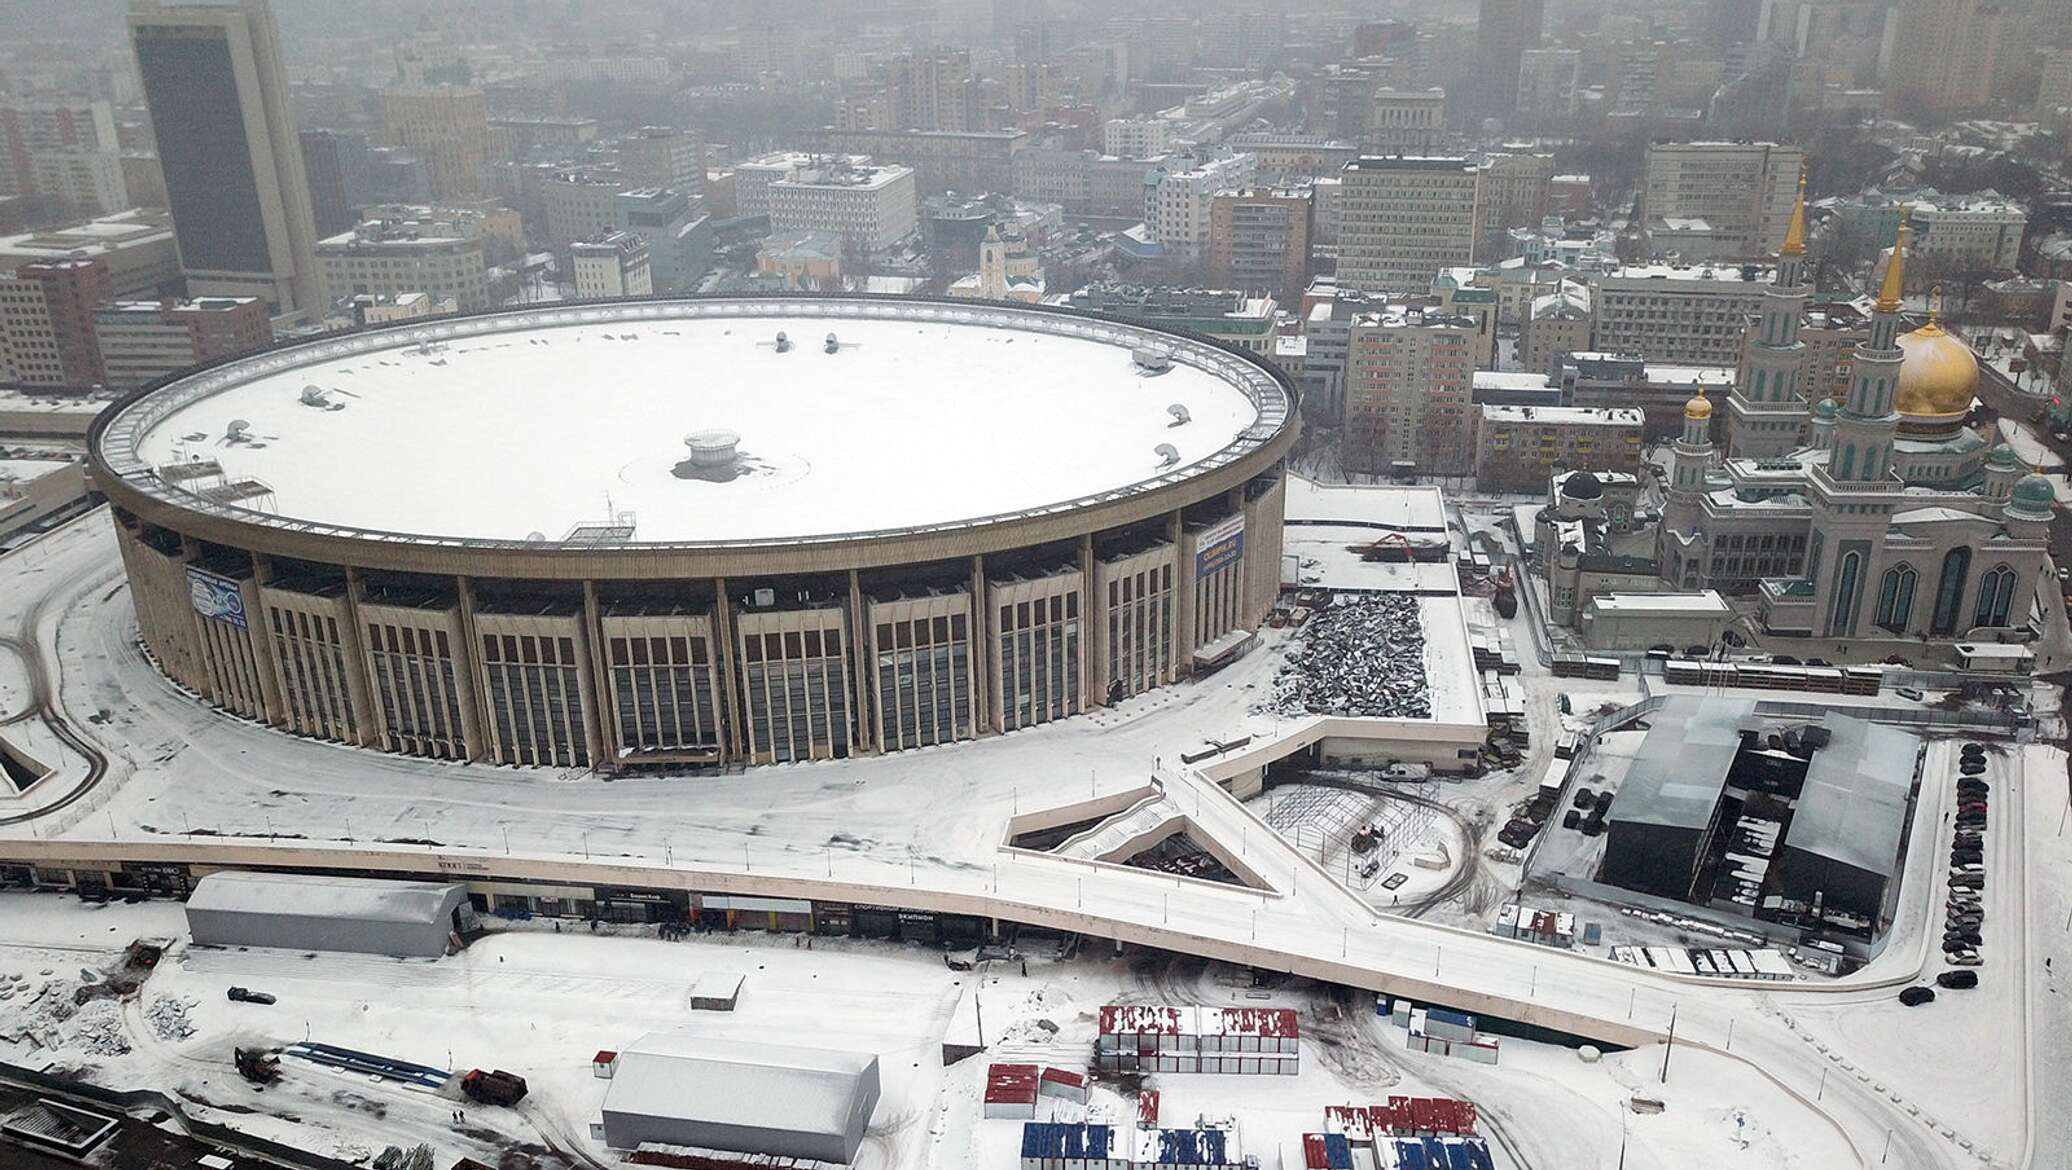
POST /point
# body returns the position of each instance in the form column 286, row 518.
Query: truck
column 257, row 1065
column 493, row 1088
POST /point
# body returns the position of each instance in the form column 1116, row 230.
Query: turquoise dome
column 2003, row 456
column 2033, row 495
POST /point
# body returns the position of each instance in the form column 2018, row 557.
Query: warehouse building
column 1784, row 820
column 306, row 912
column 739, row 1095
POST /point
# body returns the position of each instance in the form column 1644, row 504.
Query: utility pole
column 1670, row 1046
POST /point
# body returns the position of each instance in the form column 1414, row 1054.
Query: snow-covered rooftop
column 319, row 896
column 525, row 425
column 741, row 1083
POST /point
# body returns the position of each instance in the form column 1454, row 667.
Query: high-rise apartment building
column 47, row 322
column 218, row 95
column 1259, row 241
column 613, row 265
column 1504, row 30
column 445, row 125
column 666, row 157
column 1947, row 53
column 1409, row 384
column 1743, row 190
column 1547, row 83
column 1690, row 316
column 2055, row 92
column 62, row 149
column 870, row 207
column 336, row 165
column 1176, row 201
column 388, row 258
column 143, row 340
column 1405, row 121
column 1401, row 220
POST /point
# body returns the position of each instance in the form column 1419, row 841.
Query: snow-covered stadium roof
column 536, row 425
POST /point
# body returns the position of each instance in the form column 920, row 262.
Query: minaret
column 1854, row 493
column 1766, row 414
column 1680, row 546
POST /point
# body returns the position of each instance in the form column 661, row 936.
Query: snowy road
column 920, row 829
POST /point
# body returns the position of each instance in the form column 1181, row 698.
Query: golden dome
column 1698, row 408
column 1939, row 378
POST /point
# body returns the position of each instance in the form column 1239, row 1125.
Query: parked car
column 1916, row 996
column 1914, row 693
column 1695, row 650
column 1818, row 662
column 246, row 995
column 1785, row 660
column 1966, row 959
column 1664, row 650
column 1967, row 881
column 1957, row 980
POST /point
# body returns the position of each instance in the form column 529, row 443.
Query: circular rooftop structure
column 927, row 416
column 646, row 534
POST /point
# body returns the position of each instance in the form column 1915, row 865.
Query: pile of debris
column 418, row 1157
column 1362, row 656
column 97, row 1029
column 169, row 1017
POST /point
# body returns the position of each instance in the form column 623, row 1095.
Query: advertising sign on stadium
column 216, row 597
column 1220, row 547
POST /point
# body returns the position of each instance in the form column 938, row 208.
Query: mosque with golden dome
column 1879, row 515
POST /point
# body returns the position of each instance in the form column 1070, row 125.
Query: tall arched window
column 1896, row 598
column 1995, row 597
column 1848, row 461
column 1842, row 613
column 1949, row 592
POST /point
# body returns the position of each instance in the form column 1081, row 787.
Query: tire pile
column 1362, row 656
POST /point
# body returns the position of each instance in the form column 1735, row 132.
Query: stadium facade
column 888, row 523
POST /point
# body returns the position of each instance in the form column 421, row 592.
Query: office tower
column 1504, row 30
column 218, row 96
column 47, row 322
column 445, row 125
column 1744, row 190
column 1404, row 219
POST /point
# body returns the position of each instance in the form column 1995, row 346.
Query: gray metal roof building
column 307, row 912
column 1672, row 793
column 1851, row 817
column 740, row 1095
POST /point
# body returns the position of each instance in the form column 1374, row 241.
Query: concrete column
column 867, row 731
column 980, row 663
column 468, row 675
column 367, row 716
column 600, row 731
column 726, row 678
column 1184, row 600
column 1093, row 631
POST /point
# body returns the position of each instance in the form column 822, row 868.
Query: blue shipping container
column 1338, row 1155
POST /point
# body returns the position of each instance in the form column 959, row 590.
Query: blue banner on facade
column 216, row 597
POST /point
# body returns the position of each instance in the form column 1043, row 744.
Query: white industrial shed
column 740, row 1095
column 307, row 912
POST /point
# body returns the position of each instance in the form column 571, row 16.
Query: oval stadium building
column 700, row 532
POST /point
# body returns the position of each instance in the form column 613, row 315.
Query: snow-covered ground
column 540, row 1004
column 918, row 828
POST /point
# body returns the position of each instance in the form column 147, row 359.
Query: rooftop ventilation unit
column 1167, row 455
column 1180, row 416
column 1151, row 359
column 782, row 344
column 832, row 345
column 713, row 448
column 239, row 431
column 314, row 395
column 765, row 598
column 535, row 537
